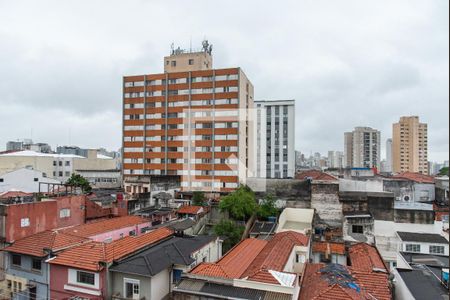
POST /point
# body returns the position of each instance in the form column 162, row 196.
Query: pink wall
column 41, row 217
column 76, row 204
column 59, row 276
column 115, row 235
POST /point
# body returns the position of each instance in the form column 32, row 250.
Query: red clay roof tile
column 190, row 209
column 98, row 227
column 416, row 177
column 34, row 245
column 235, row 262
column 89, row 256
column 330, row 247
column 364, row 257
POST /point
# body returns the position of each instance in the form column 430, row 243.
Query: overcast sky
column 347, row 63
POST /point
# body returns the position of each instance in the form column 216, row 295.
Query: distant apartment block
column 362, row 148
column 388, row 165
column 410, row 146
column 55, row 166
column 190, row 122
column 335, row 159
column 275, row 138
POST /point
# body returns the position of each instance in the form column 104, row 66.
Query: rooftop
column 337, row 282
column 416, row 177
column 29, row 153
column 328, row 247
column 364, row 257
column 90, row 256
column 263, row 228
column 227, row 291
column 235, row 261
column 315, row 175
column 257, row 260
column 190, row 209
column 423, row 283
column 175, row 251
column 426, row 259
column 422, row 237
column 35, row 245
column 14, row 194
column 103, row 226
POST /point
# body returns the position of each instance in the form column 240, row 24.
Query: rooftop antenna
column 172, row 48
column 190, row 45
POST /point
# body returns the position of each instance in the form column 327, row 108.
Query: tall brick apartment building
column 190, row 123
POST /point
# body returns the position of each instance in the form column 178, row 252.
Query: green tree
column 443, row 171
column 81, row 182
column 240, row 204
column 230, row 232
column 267, row 207
column 198, row 198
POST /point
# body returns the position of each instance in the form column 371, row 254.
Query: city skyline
column 372, row 77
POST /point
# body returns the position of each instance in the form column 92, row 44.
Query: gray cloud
column 347, row 64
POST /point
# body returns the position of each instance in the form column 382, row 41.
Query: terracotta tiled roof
column 97, row 227
column 315, row 175
column 34, row 245
column 89, row 256
column 190, row 209
column 14, row 194
column 416, row 177
column 342, row 283
column 234, row 263
column 364, row 257
column 275, row 255
column 324, row 247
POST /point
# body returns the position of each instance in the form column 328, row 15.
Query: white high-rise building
column 274, row 138
column 362, row 148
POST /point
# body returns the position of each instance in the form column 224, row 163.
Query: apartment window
column 35, row 179
column 67, row 174
column 67, row 163
column 437, row 249
column 16, row 260
column 60, row 174
column 36, row 264
column 191, row 62
column 54, row 163
column 85, row 278
column 25, row 222
column 174, row 63
column 60, row 163
column 64, row 213
column 357, row 229
column 412, row 248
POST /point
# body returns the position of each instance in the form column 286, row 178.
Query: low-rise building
column 366, row 277
column 151, row 274
column 191, row 211
column 410, row 188
column 423, row 243
column 82, row 271
column 329, row 252
column 27, row 269
column 25, row 180
column 253, row 269
column 102, row 179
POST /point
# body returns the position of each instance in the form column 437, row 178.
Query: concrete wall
column 409, row 191
column 123, row 232
column 161, row 285
column 349, row 185
column 325, row 200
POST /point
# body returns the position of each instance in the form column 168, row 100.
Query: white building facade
column 274, row 142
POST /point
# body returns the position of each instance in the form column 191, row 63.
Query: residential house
column 82, row 271
column 150, row 274
column 411, row 189
column 315, row 175
column 424, row 243
column 253, row 269
column 191, row 211
column 366, row 277
column 27, row 269
column 296, row 219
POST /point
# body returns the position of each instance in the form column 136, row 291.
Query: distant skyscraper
column 335, row 159
column 362, row 148
column 388, row 166
column 410, row 146
column 275, row 138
